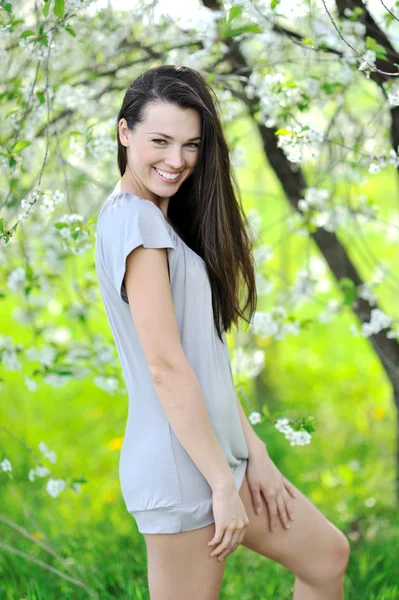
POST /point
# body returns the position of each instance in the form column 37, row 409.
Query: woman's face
column 162, row 150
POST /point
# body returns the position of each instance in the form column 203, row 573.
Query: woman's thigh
column 180, row 568
column 312, row 548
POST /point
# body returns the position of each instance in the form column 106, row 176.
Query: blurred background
column 309, row 98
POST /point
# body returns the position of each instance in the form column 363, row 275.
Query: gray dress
column 161, row 485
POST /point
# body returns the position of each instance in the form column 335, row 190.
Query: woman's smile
column 167, row 176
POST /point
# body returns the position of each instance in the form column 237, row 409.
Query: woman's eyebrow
column 169, row 137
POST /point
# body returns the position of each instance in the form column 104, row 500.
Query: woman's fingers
column 234, row 543
column 257, row 500
column 282, row 511
column 230, row 542
column 270, row 497
column 278, row 506
column 225, row 542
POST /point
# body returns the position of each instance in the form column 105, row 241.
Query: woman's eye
column 193, row 145
column 159, row 141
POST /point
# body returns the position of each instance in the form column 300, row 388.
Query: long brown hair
column 206, row 210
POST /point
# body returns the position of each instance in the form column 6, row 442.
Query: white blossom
column 49, row 454
column 366, row 293
column 248, row 362
column 332, row 309
column 16, row 279
column 370, row 502
column 30, row 384
column 264, row 324
column 55, row 486
column 263, row 286
column 303, row 287
column 8, row 354
column 46, row 354
column 255, row 223
column 42, row 471
column 237, row 157
column 368, row 58
column 109, row 384
column 379, row 320
column 354, row 330
column 296, row 438
column 315, row 198
column 262, row 254
column 302, row 143
column 5, row 465
column 254, row 418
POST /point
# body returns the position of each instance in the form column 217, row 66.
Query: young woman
column 172, row 257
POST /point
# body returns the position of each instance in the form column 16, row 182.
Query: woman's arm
column 255, row 445
column 175, row 382
column 180, row 395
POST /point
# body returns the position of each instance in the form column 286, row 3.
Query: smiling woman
column 172, row 253
column 157, row 166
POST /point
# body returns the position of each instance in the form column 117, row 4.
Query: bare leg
column 180, row 568
column 313, row 548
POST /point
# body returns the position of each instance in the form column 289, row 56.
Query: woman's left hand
column 264, row 479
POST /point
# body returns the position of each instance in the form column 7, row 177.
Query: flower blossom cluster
column 368, row 59
column 272, row 324
column 274, row 91
column 248, row 363
column 379, row 321
column 255, row 417
column 300, row 143
column 379, row 162
column 230, row 107
column 296, row 438
column 5, row 465
column 9, row 354
column 73, row 236
column 392, row 90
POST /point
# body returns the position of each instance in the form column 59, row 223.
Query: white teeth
column 167, row 175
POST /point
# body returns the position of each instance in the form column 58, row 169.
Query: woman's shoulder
column 125, row 205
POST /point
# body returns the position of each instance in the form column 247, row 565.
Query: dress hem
column 175, row 519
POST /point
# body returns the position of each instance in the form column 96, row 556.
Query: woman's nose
column 174, row 159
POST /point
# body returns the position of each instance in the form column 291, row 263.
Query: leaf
column 59, row 8
column 245, row 29
column 40, row 97
column 283, row 132
column 381, row 52
column 63, row 372
column 46, row 7
column 370, row 43
column 266, row 411
column 60, row 225
column 21, row 145
column 69, row 29
column 308, row 42
column 27, row 33
column 8, row 7
column 234, row 12
column 1, row 224
column 349, row 289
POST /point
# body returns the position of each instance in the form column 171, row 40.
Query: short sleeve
column 124, row 227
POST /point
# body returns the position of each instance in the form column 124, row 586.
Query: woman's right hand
column 231, row 521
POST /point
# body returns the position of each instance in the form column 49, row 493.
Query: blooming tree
column 291, row 68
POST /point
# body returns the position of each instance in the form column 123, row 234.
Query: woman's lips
column 168, row 180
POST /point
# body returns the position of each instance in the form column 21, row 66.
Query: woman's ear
column 124, row 134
